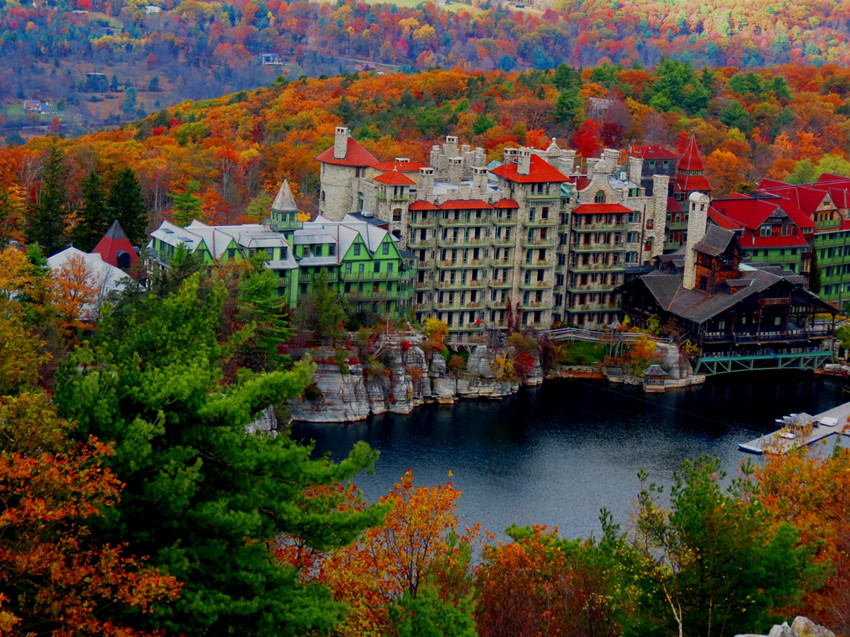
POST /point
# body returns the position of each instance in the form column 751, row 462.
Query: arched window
column 600, row 196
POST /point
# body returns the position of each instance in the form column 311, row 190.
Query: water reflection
column 558, row 453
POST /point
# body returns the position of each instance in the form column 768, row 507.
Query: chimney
column 635, row 169
column 426, row 182
column 340, row 142
column 455, row 168
column 523, row 166
column 451, row 145
column 698, row 204
column 479, row 179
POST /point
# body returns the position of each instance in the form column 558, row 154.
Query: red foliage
column 586, row 139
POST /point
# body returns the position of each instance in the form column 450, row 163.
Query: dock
column 787, row 438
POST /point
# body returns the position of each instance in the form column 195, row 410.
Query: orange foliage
column 75, row 586
column 76, row 294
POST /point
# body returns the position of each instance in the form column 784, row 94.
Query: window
column 600, row 197
column 764, row 231
column 397, row 214
column 650, row 224
column 356, row 249
column 385, row 249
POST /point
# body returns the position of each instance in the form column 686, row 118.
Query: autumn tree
column 381, row 576
column 203, row 497
column 540, row 584
column 710, row 564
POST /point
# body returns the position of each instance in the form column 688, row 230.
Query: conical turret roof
column 284, row 202
column 691, row 161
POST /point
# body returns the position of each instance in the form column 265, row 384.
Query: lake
column 558, row 453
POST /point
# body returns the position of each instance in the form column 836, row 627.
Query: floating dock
column 787, row 438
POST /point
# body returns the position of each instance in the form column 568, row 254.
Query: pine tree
column 93, row 219
column 48, row 216
column 204, row 498
column 126, row 205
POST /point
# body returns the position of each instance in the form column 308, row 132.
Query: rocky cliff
column 402, row 378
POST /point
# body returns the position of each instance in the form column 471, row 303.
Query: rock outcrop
column 801, row 627
column 401, row 379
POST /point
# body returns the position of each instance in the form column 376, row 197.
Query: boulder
column 805, row 627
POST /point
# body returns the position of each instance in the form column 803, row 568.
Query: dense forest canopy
column 100, row 62
column 228, row 155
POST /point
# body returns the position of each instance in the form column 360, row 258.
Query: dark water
column 556, row 454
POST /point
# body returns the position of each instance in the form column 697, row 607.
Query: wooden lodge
column 727, row 307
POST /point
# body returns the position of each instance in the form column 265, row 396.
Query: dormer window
column 764, row 231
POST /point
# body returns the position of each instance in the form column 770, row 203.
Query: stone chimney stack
column 635, row 169
column 451, row 146
column 340, row 142
column 455, row 169
column 611, row 157
column 698, row 204
column 479, row 180
column 427, row 182
column 523, row 166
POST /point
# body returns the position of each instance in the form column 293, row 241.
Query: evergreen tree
column 48, row 216
column 93, row 219
column 204, row 498
column 126, row 205
column 187, row 206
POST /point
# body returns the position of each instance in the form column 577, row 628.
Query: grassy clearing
column 581, row 353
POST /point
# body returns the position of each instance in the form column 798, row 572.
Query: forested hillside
column 229, row 154
column 98, row 63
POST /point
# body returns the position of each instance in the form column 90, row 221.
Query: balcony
column 465, row 222
column 540, row 243
column 497, row 305
column 598, row 247
column 461, row 242
column 599, row 225
column 787, row 336
column 503, row 221
column 460, row 285
column 419, row 244
column 375, row 276
column 535, row 285
column 593, row 307
column 502, row 242
column 542, row 223
column 578, row 288
column 545, row 304
column 423, row 285
column 500, row 283
column 597, row 267
column 548, row 262
column 470, row 263
column 458, row 305
column 430, row 222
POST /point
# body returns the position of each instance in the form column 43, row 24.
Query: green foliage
column 427, row 615
column 126, row 205
column 710, row 565
column 47, row 218
column 92, row 217
column 815, row 273
column 187, row 206
column 203, row 497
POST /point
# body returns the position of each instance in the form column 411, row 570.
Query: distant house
column 152, row 9
column 271, row 59
column 38, row 106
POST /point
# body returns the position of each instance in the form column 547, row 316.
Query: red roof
column 723, row 221
column 752, row 240
column 113, row 243
column 693, row 183
column 653, row 151
column 600, row 208
column 395, row 178
column 673, row 205
column 401, row 166
column 540, row 172
column 506, row 203
column 771, row 183
column 465, row 204
column 830, row 177
column 691, row 161
column 355, row 155
column 421, row 204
